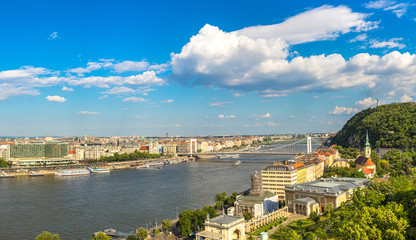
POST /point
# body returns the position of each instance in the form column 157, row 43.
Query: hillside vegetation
column 388, row 126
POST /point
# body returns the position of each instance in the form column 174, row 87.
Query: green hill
column 388, row 126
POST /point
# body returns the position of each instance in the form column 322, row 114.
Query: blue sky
column 200, row 67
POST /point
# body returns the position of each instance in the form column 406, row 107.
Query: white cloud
column 91, row 66
column 271, row 124
column 238, row 95
column 219, row 104
column 120, row 90
column 322, row 23
column 140, row 117
column 167, row 101
column 367, row 102
column 87, row 113
column 53, row 35
column 134, row 99
column 56, row 99
column 7, row 91
column 177, row 125
column 67, row 89
column 222, row 116
column 292, row 117
column 360, row 38
column 397, row 8
column 130, row 66
column 406, row 98
column 392, row 43
column 267, row 115
column 256, row 59
column 343, row 111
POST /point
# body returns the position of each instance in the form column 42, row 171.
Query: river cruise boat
column 36, row 174
column 99, row 170
column 73, row 172
column 5, row 175
column 228, row 156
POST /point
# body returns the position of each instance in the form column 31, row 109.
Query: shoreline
column 113, row 166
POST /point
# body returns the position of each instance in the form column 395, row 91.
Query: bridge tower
column 309, row 144
column 190, row 145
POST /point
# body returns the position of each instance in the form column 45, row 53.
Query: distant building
column 364, row 163
column 223, row 227
column 276, row 177
column 38, row 150
column 317, row 195
column 258, row 205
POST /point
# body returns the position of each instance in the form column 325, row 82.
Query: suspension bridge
column 302, row 146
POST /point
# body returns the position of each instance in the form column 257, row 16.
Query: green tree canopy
column 101, row 236
column 166, row 224
column 47, row 236
column 142, row 233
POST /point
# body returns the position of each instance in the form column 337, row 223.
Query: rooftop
column 251, row 200
column 330, row 185
column 225, row 219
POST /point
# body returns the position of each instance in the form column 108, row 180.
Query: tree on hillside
column 166, row 224
column 47, row 236
column 101, row 236
column 142, row 234
column 185, row 222
column 248, row 215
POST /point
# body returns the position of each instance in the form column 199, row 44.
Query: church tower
column 367, row 148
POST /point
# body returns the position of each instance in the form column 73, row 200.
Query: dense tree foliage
column 166, row 224
column 47, row 236
column 384, row 210
column 192, row 221
column 248, row 215
column 388, row 126
column 101, row 236
column 127, row 157
column 4, row 163
column 347, row 153
column 343, row 172
column 142, row 234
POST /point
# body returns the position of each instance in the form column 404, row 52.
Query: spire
column 367, row 142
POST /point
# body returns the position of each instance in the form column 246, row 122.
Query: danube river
column 76, row 207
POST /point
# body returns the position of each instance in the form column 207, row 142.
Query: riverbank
column 52, row 169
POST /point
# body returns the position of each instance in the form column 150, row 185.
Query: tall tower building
column 367, row 148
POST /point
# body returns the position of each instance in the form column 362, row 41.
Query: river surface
column 76, row 207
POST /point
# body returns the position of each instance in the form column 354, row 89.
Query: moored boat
column 5, row 175
column 73, row 172
column 36, row 174
column 99, row 170
column 228, row 156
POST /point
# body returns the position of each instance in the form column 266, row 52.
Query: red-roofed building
column 144, row 149
column 366, row 165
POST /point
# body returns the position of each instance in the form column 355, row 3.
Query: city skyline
column 208, row 68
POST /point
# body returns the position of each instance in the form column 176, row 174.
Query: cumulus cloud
column 120, row 90
column 406, row 98
column 267, row 115
column 238, row 95
column 91, row 66
column 56, row 99
column 360, row 38
column 367, row 102
column 322, row 23
column 392, row 43
column 130, row 66
column 53, row 35
column 134, row 99
column 397, row 8
column 7, row 91
column 219, row 104
column 343, row 111
column 67, row 89
column 256, row 58
column 271, row 124
column 222, row 116
column 167, row 101
column 87, row 113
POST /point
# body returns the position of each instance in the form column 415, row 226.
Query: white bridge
column 302, row 146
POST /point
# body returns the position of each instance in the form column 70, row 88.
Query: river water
column 76, row 207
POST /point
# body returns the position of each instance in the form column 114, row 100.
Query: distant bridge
column 302, row 146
